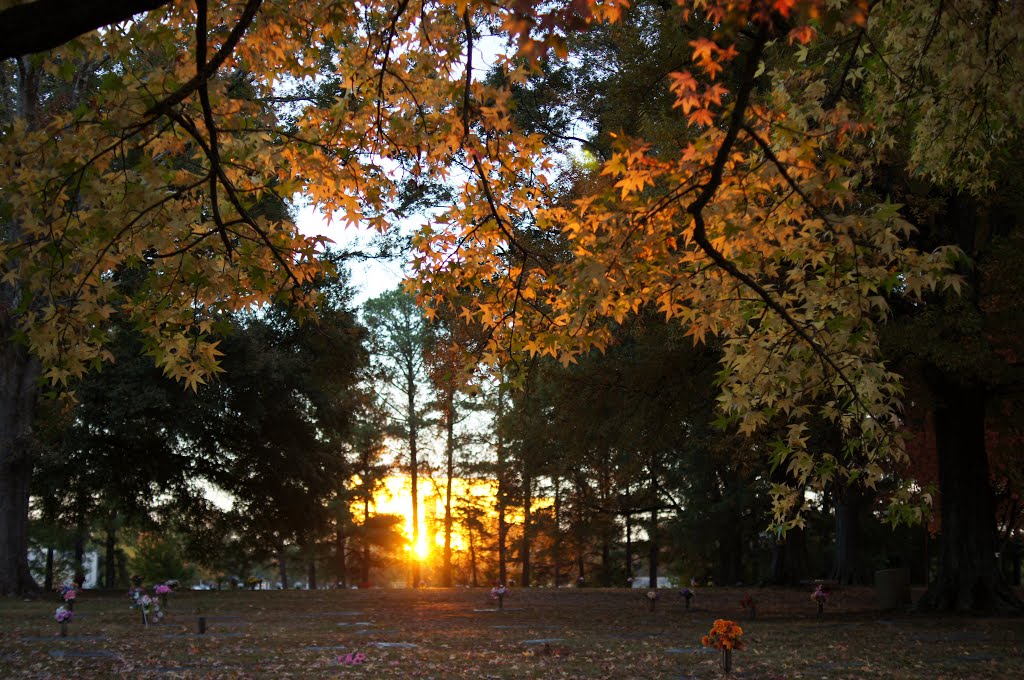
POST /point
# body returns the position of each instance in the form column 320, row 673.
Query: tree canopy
column 751, row 202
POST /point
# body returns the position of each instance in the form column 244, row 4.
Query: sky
column 370, row 278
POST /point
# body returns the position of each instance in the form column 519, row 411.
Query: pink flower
column 70, row 595
column 162, row 589
column 352, row 658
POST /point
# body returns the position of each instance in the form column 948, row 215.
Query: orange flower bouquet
column 726, row 636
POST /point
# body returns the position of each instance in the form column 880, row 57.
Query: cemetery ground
column 540, row 633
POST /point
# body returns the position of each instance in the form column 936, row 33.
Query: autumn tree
column 367, row 450
column 397, row 341
column 759, row 220
column 757, row 225
column 447, row 360
column 157, row 140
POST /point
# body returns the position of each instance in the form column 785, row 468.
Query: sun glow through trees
column 395, row 498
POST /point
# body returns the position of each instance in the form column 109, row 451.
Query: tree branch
column 205, row 71
column 44, row 24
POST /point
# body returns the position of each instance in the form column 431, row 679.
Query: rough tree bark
column 847, row 569
column 968, row 577
column 789, row 559
column 18, row 375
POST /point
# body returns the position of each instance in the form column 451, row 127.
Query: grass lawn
column 541, row 633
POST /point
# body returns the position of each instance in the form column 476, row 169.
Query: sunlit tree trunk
column 446, row 577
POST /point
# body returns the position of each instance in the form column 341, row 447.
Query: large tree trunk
column 968, row 577
column 48, row 578
column 311, row 572
column 18, row 375
column 789, row 559
column 730, row 558
column 847, row 568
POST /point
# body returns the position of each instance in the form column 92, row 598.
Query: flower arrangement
column 352, row 658
column 62, row 616
column 687, row 595
column 68, row 593
column 726, row 636
column 498, row 592
column 652, row 598
column 162, row 590
column 749, row 603
column 820, row 595
column 149, row 607
column 253, row 582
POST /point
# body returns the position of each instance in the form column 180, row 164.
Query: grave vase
column 63, row 628
column 726, row 661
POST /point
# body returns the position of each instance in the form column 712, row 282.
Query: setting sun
column 395, row 498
